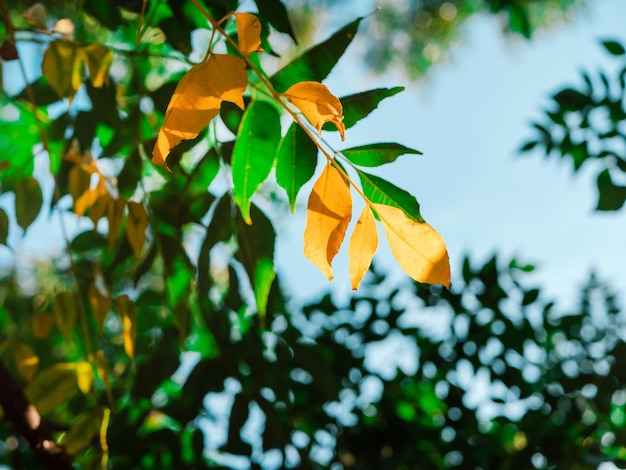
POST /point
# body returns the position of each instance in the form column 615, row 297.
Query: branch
column 25, row 417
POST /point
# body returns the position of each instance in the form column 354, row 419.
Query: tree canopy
column 159, row 148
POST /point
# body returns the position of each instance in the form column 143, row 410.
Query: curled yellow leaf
column 318, row 105
column 248, row 33
column 363, row 245
column 418, row 248
column 328, row 215
column 197, row 100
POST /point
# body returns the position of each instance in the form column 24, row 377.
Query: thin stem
column 141, row 18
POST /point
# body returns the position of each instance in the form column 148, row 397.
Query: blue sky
column 469, row 117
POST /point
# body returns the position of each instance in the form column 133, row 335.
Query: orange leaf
column 418, row 248
column 318, row 105
column 248, row 33
column 328, row 214
column 363, row 245
column 197, row 100
column 89, row 197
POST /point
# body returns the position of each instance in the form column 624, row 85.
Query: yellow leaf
column 318, row 105
column 26, row 361
column 63, row 68
column 115, row 214
column 363, row 245
column 42, row 324
column 100, row 304
column 98, row 59
column 126, row 311
column 78, row 181
column 136, row 225
column 84, row 376
column 197, row 100
column 89, row 197
column 52, row 387
column 418, row 248
column 248, row 33
column 327, row 218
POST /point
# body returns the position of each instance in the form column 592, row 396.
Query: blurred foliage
column 586, row 123
column 413, row 35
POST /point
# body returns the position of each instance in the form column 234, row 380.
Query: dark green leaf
column 380, row 191
column 276, row 14
column 611, row 197
column 360, row 105
column 88, row 240
column 130, row 175
column 254, row 152
column 106, row 13
column 572, row 100
column 28, row 200
column 316, row 63
column 44, row 94
column 4, row 227
column 295, row 162
column 614, row 47
column 256, row 254
column 377, row 154
column 161, row 364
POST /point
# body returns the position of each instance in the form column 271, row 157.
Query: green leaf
column 360, row 105
column 276, row 14
column 160, row 364
column 572, row 100
column 611, row 197
column 52, row 387
column 295, row 162
column 614, row 47
column 380, row 191
column 256, row 254
column 377, row 154
column 316, row 63
column 64, row 313
column 28, row 200
column 4, row 227
column 254, row 152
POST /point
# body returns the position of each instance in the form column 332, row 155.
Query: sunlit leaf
column 84, row 376
column 248, row 33
column 126, row 311
column 328, row 215
column 28, row 200
column 98, row 59
column 136, row 224
column 295, row 162
column 83, row 432
column 363, row 245
column 63, row 67
column 316, row 63
column 52, row 387
column 26, row 361
column 418, row 248
column 377, row 154
column 87, row 199
column 64, row 311
column 318, row 105
column 197, row 100
column 254, row 152
column 382, row 191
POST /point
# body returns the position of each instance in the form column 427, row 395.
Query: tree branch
column 25, row 417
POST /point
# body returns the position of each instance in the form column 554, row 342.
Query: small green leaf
column 256, row 253
column 4, row 227
column 254, row 152
column 28, row 200
column 316, row 63
column 380, row 191
column 377, row 154
column 614, row 47
column 360, row 105
column 276, row 14
column 295, row 162
column 611, row 197
column 64, row 312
